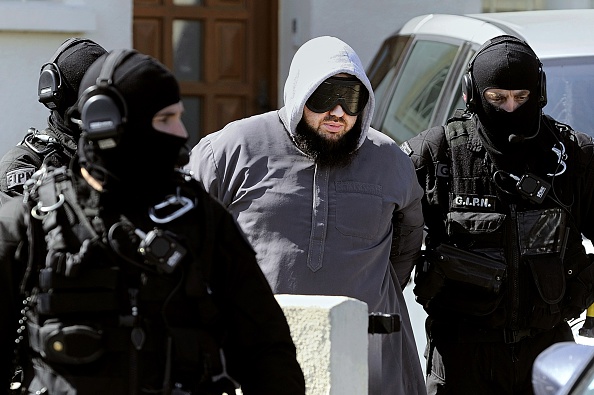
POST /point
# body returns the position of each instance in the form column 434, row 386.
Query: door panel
column 223, row 53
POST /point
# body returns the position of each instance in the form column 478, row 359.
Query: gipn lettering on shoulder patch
column 19, row 176
column 474, row 202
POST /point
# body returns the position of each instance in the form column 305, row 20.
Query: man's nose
column 510, row 105
column 337, row 111
column 179, row 130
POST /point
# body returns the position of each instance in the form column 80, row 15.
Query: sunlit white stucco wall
column 30, row 32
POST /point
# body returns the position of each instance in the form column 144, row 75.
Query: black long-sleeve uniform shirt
column 258, row 348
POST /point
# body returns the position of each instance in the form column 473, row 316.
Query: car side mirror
column 560, row 367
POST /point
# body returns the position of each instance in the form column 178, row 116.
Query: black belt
column 507, row 336
column 474, row 334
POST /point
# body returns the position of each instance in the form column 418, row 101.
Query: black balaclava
column 73, row 63
column 512, row 65
column 142, row 165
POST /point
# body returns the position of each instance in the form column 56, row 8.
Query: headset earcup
column 100, row 115
column 468, row 91
column 103, row 111
column 48, row 89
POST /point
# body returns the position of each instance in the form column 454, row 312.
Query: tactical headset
column 469, row 90
column 102, row 109
column 50, row 89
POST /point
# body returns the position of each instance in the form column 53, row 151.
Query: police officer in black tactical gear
column 59, row 79
column 121, row 275
column 508, row 195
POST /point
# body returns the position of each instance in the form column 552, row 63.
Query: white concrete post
column 330, row 333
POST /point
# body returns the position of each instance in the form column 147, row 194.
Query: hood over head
column 315, row 61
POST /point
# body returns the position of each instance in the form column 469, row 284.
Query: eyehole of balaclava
column 509, row 65
column 144, row 160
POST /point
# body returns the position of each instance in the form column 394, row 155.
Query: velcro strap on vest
column 66, row 302
column 100, row 278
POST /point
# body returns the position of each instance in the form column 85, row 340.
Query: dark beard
column 326, row 152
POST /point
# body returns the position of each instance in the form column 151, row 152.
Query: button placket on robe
column 319, row 219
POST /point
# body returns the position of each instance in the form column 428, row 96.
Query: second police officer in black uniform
column 120, row 275
column 508, row 194
column 55, row 145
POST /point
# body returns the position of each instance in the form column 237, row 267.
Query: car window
column 384, row 64
column 418, row 89
column 585, row 384
column 570, row 92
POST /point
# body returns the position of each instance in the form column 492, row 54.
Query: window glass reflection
column 418, row 89
column 187, row 50
column 187, row 2
column 192, row 118
column 570, row 87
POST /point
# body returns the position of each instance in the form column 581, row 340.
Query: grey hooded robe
column 320, row 230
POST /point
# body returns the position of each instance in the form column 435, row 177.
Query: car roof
column 551, row 33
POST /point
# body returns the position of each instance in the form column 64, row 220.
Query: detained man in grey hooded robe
column 331, row 206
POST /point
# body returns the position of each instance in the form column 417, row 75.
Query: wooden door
column 223, row 53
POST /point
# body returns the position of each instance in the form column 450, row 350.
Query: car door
column 418, row 86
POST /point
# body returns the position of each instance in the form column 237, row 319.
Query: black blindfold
column 350, row 93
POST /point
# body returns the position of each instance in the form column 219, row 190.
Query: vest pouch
column 429, row 280
column 470, row 268
column 542, row 231
column 196, row 357
column 549, row 277
column 75, row 344
column 462, row 281
column 479, row 230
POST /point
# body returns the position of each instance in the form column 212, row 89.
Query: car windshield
column 570, row 92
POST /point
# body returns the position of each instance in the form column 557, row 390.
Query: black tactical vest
column 529, row 249
column 112, row 308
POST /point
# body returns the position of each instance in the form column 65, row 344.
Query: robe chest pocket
column 359, row 209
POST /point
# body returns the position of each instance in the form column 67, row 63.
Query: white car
column 417, row 72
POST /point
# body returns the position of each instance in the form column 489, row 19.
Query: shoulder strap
column 205, row 254
column 36, row 253
column 57, row 209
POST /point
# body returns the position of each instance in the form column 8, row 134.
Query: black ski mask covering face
column 73, row 63
column 142, row 165
column 507, row 65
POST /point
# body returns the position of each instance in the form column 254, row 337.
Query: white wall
column 363, row 24
column 30, row 32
